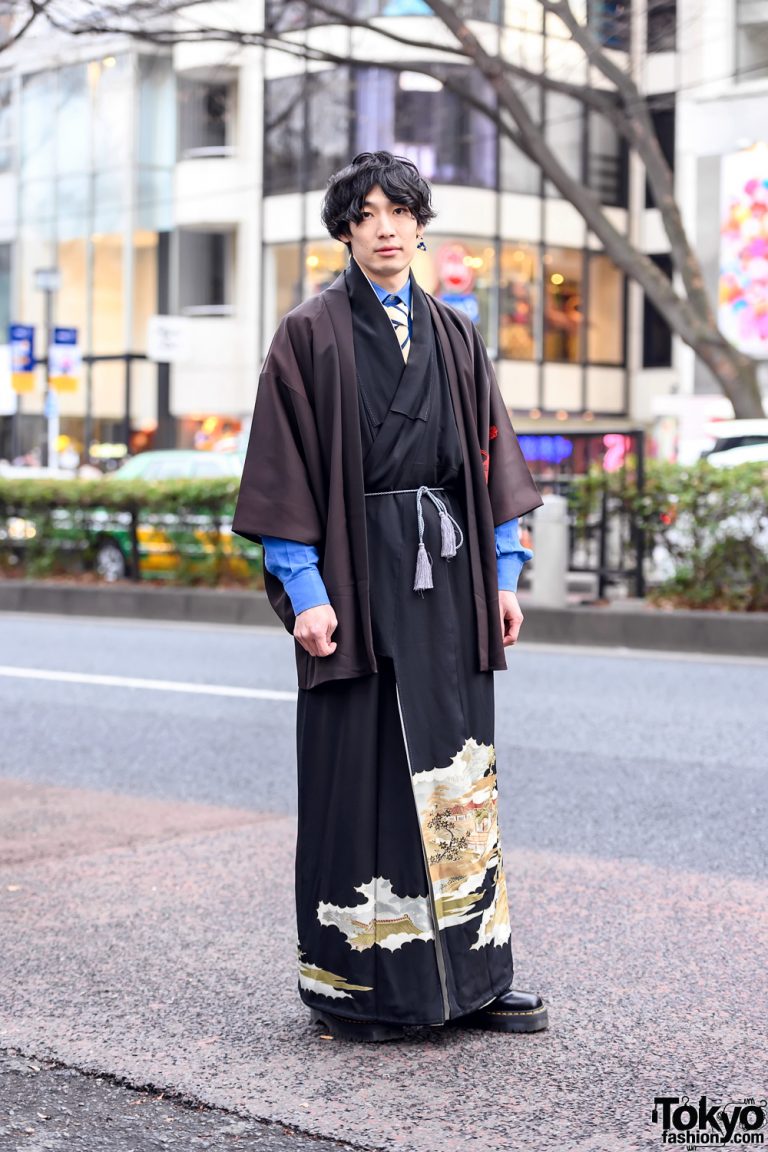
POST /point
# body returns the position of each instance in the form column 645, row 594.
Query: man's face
column 384, row 242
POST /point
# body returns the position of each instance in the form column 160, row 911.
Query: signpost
column 64, row 360
column 48, row 281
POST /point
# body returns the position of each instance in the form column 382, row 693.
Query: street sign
column 47, row 279
column 168, row 339
column 64, row 360
column 21, row 338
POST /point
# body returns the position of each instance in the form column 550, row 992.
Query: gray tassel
column 423, row 579
column 447, row 536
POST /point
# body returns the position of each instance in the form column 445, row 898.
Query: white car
column 744, row 454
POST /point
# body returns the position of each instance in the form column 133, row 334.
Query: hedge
column 71, row 518
column 706, row 530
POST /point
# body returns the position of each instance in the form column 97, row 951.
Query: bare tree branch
column 685, row 306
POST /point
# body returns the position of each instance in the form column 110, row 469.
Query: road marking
column 151, row 685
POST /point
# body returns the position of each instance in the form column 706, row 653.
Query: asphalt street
column 147, row 793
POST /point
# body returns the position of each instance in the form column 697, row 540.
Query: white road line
column 152, row 685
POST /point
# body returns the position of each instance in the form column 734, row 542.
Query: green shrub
column 707, row 526
column 175, row 530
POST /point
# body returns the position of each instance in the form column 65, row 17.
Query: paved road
column 625, row 757
column 145, row 888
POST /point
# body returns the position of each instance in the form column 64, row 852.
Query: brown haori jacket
column 303, row 474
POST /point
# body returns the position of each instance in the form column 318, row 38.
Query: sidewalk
column 624, row 624
column 151, row 941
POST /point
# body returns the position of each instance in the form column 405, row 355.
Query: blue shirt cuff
column 306, row 590
column 509, row 569
column 295, row 565
column 510, row 555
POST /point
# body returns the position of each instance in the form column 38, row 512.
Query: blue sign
column 65, row 335
column 546, row 449
column 463, row 303
column 21, row 338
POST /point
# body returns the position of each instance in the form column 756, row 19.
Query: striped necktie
column 398, row 314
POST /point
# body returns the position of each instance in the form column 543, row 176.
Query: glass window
column 154, row 199
column 610, row 21
column 145, row 301
column 563, row 315
column 7, row 125
column 450, row 141
column 564, row 132
column 157, row 112
column 607, row 160
column 73, row 120
column 72, row 206
column 751, row 40
column 662, row 26
column 37, row 205
column 283, row 134
column 374, row 109
column 72, row 299
column 323, row 261
column 605, row 327
column 282, row 16
column 286, row 271
column 657, row 335
column 110, row 193
column 663, row 119
column 518, row 286
column 329, row 111
column 206, row 114
column 517, row 172
column 287, row 15
column 462, row 272
column 206, row 271
column 38, row 126
column 111, row 84
column 108, row 295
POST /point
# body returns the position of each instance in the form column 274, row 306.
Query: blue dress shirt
column 296, row 565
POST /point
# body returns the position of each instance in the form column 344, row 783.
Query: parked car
column 744, row 454
column 737, row 442
column 179, row 464
column 165, row 542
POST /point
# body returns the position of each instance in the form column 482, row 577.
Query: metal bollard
column 550, row 565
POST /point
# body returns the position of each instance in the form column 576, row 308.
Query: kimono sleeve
column 279, row 490
column 511, row 487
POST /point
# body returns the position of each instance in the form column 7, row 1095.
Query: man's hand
column 314, row 629
column 511, row 618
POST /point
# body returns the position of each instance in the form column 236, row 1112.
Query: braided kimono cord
column 449, row 546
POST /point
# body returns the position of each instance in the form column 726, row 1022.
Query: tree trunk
column 735, row 373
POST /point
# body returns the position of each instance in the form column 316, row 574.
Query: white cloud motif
column 384, row 918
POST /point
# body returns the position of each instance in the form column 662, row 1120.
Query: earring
column 421, row 246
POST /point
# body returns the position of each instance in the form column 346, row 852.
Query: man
column 385, row 480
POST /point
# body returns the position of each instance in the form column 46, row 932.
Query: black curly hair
column 398, row 178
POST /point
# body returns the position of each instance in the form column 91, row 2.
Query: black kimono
column 401, row 899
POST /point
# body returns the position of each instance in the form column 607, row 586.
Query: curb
column 616, row 626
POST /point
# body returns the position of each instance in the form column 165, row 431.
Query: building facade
column 188, row 182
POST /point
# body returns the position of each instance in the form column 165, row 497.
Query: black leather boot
column 359, row 1031
column 513, row 1011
